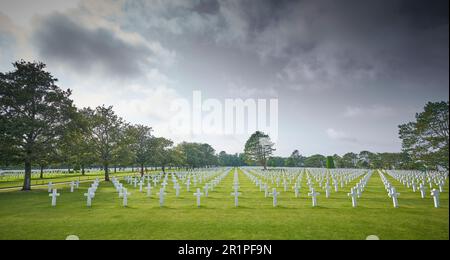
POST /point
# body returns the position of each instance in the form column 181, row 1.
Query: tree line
column 40, row 126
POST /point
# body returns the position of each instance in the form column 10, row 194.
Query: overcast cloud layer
column 346, row 73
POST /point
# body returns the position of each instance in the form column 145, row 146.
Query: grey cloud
column 60, row 39
column 207, row 6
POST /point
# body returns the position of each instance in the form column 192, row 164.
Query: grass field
column 28, row 215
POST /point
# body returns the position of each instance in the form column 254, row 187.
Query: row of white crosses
column 163, row 180
column 236, row 192
column 54, row 192
column 215, row 182
column 410, row 179
column 122, row 191
column 358, row 189
column 90, row 194
column 314, row 177
column 391, row 191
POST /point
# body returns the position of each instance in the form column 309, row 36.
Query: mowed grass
column 28, row 215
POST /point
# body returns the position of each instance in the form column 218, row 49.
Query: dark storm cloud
column 60, row 39
column 329, row 42
column 207, row 7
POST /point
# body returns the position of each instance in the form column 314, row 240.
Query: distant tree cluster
column 235, row 160
column 364, row 159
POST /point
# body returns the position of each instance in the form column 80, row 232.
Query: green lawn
column 28, row 215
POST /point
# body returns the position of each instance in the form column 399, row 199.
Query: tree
column 234, row 160
column 349, row 160
column 427, row 139
column 276, row 161
column 141, row 144
column 123, row 154
column 259, row 148
column 337, row 161
column 75, row 147
column 197, row 155
column 316, row 161
column 295, row 160
column 105, row 128
column 330, row 162
column 34, row 113
column 162, row 152
column 364, row 159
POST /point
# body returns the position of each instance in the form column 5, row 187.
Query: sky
column 345, row 73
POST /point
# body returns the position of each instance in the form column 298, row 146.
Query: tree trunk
column 142, row 169
column 163, row 169
column 42, row 172
column 106, row 168
column 115, row 168
column 27, row 179
column 82, row 170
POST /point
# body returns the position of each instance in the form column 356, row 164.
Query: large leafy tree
column 75, row 147
column 34, row 114
column 162, row 152
column 105, row 128
column 295, row 160
column 141, row 144
column 349, row 160
column 259, row 148
column 427, row 138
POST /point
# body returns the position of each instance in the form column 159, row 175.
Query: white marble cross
column 275, row 194
column 125, row 197
column 236, row 186
column 77, row 183
column 313, row 194
column 394, row 195
column 135, row 182
column 435, row 194
column 164, row 184
column 177, row 189
column 441, row 186
column 161, row 197
column 198, row 194
column 327, row 190
column 141, row 183
column 188, row 184
column 336, row 187
column 50, row 187
column 236, row 195
column 354, row 196
column 54, row 195
column 90, row 195
column 297, row 190
column 266, row 190
column 149, row 189
column 72, row 185
column 206, row 188
column 423, row 190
